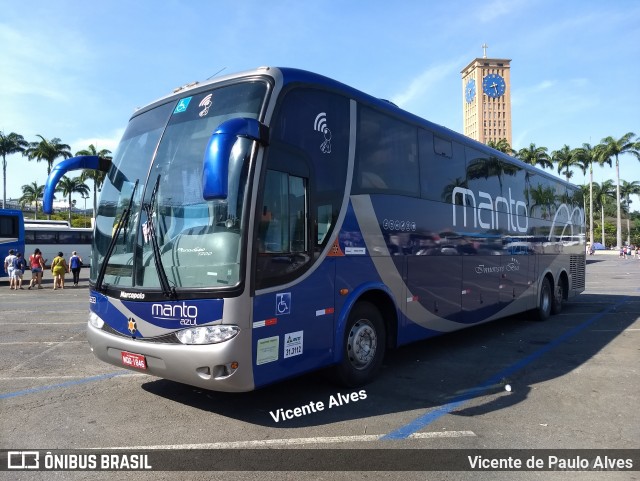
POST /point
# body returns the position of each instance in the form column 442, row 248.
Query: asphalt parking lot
column 569, row 383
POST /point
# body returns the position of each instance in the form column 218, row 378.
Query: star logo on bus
column 133, row 327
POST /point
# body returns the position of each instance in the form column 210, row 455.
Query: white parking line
column 299, row 441
column 614, row 330
column 50, row 378
column 42, row 323
column 29, row 361
column 19, row 343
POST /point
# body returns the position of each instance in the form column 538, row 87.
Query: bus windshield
column 152, row 202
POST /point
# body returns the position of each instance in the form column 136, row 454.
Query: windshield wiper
column 123, row 223
column 168, row 290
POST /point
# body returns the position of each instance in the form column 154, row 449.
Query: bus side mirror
column 74, row 163
column 215, row 169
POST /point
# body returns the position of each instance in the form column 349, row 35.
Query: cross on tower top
column 484, row 50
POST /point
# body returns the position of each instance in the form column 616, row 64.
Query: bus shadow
column 456, row 367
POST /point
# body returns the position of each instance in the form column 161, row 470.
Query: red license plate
column 134, row 360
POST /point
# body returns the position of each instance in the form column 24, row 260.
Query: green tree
column 9, row 144
column 47, row 150
column 604, row 194
column 502, row 145
column 614, row 148
column 536, row 156
column 68, row 186
column 96, row 176
column 587, row 155
column 627, row 189
column 32, row 193
column 566, row 158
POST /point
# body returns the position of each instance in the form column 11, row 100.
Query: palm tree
column 70, row 186
column 96, row 176
column 603, row 194
column 587, row 155
column 566, row 158
column 48, row 150
column 502, row 145
column 614, row 148
column 533, row 155
column 627, row 189
column 9, row 144
column 32, row 193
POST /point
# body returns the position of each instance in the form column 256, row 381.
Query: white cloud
column 490, row 11
column 424, row 83
column 109, row 143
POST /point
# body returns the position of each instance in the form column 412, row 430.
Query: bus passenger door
column 293, row 307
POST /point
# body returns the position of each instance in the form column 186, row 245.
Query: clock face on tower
column 470, row 90
column 493, row 85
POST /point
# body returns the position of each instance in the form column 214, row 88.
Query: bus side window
column 282, row 238
column 282, row 226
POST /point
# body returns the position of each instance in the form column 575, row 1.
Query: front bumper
column 205, row 366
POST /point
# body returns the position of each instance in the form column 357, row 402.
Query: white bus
column 53, row 236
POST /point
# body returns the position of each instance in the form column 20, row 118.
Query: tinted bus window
column 44, row 237
column 8, row 226
column 387, row 155
column 443, row 167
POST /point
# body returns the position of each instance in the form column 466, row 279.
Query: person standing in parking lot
column 37, row 268
column 75, row 264
column 8, row 266
column 58, row 269
column 19, row 266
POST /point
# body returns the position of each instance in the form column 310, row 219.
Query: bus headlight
column 207, row 334
column 95, row 320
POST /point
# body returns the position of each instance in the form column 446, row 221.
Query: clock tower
column 486, row 99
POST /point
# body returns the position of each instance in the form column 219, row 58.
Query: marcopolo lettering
column 514, row 210
column 131, row 295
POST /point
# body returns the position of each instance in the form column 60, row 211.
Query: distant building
column 486, row 99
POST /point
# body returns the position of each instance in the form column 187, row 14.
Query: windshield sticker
column 206, row 103
column 182, row 105
column 267, row 350
column 320, row 125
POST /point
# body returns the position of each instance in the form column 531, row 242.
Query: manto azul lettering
column 513, row 212
column 184, row 312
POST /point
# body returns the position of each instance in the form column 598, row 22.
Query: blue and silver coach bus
column 262, row 225
column 11, row 235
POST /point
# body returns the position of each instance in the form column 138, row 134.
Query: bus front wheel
column 363, row 347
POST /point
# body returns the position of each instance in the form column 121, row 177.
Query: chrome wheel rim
column 362, row 344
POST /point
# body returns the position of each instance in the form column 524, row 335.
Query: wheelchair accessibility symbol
column 283, row 303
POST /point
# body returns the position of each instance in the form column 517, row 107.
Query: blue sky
column 77, row 70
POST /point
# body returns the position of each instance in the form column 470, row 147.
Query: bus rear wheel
column 558, row 298
column 363, row 346
column 543, row 312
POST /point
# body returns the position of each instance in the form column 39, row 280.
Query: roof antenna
column 217, row 73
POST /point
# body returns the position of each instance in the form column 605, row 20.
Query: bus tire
column 545, row 301
column 558, row 298
column 363, row 346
